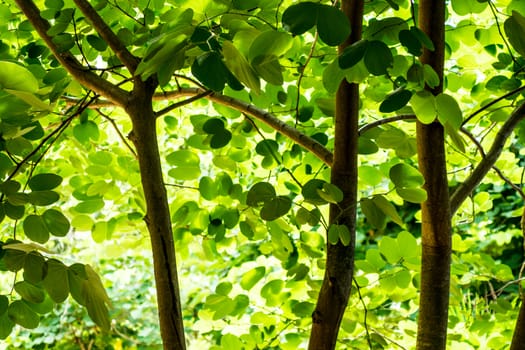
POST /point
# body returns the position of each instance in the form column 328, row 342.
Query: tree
column 154, row 58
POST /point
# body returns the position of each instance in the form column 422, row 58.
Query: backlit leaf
column 378, row 57
column 14, row 76
column 44, row 182
column 332, row 25
column 22, row 314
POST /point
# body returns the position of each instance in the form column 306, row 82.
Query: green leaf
column 413, row 195
column 4, row 303
column 396, row 100
column 352, row 54
column 333, row 26
column 456, row 137
column 269, row 68
column 515, row 29
column 34, row 268
column 303, row 309
column 15, row 212
column 424, row 105
column 310, row 191
column 389, row 248
column 183, row 158
column 378, row 57
column 260, row 193
column 89, row 206
column 270, row 43
column 466, row 7
column 56, row 281
column 210, row 70
column 96, row 42
column 207, row 188
column 374, row 215
column 408, row 246
column 422, row 37
column 31, row 100
column 30, row 292
column 220, row 139
column 84, row 132
column 366, row 146
column 43, row 198
column 96, row 299
column 330, row 193
column 57, row 224
column 35, row 229
column 388, row 208
column 239, row 66
column 408, row 39
column 275, row 208
column 339, row 232
column 250, row 278
column 301, row 17
column 22, row 314
column 448, row 111
column 332, row 77
column 406, row 176
column 431, row 76
column 15, row 77
column 44, row 182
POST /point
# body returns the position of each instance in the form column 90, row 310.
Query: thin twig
column 365, row 324
column 491, row 103
column 117, row 130
column 183, row 103
column 495, row 168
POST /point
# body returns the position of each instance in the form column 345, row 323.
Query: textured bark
column 158, row 219
column 436, row 225
column 518, row 339
column 337, row 282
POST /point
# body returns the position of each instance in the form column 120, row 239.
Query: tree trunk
column 518, row 339
column 436, row 224
column 337, row 283
column 158, row 220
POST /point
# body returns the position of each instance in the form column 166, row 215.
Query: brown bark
column 158, row 219
column 436, row 225
column 518, row 339
column 337, row 282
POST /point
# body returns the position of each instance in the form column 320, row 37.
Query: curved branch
column 464, row 190
column 266, row 117
column 495, row 168
column 84, row 76
column 101, row 27
column 493, row 102
column 383, row 121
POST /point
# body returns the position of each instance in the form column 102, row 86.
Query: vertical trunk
column 158, row 220
column 436, row 226
column 518, row 339
column 337, row 283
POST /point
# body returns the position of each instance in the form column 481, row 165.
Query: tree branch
column 495, row 168
column 84, row 76
column 130, row 61
column 464, row 190
column 289, row 131
column 383, row 121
